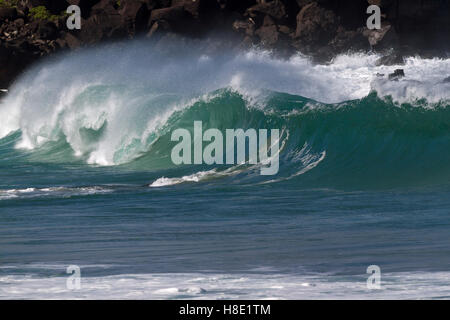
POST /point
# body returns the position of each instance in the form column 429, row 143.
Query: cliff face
column 30, row 29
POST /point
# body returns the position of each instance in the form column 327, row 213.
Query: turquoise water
column 86, row 179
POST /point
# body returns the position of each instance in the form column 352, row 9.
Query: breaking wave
column 341, row 123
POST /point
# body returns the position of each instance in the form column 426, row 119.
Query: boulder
column 28, row 4
column 19, row 23
column 71, row 41
column 349, row 40
column 168, row 14
column 191, row 6
column 268, row 32
column 104, row 23
column 135, row 13
column 381, row 3
column 316, row 25
column 384, row 38
column 8, row 13
column 54, row 6
column 247, row 26
column 302, row 3
column 105, row 7
column 152, row 4
column 397, row 74
column 20, row 44
column 47, row 30
column 285, row 30
column 234, row 5
column 153, row 29
column 273, row 8
column 85, row 6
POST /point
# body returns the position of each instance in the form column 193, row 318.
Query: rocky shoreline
column 31, row 29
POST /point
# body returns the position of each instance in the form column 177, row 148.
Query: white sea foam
column 424, row 79
column 196, row 177
column 199, row 176
column 60, row 192
column 413, row 285
column 110, row 103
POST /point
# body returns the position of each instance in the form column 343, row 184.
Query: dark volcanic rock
column 273, row 8
column 13, row 60
column 320, row 28
column 247, row 26
column 8, row 13
column 397, row 74
column 135, row 14
column 167, row 19
column 348, row 40
column 47, row 30
column 191, row 6
column 168, row 14
column 384, row 38
column 268, row 33
column 71, row 41
column 316, row 26
column 104, row 23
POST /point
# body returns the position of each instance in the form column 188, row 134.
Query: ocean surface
column 86, row 177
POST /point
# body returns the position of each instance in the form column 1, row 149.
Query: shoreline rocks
column 396, row 75
column 30, row 29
